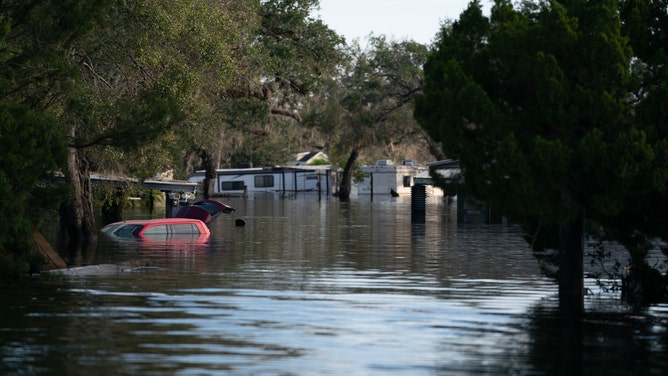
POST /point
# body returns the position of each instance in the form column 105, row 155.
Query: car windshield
column 128, row 230
column 109, row 229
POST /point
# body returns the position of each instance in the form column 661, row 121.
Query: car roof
column 157, row 221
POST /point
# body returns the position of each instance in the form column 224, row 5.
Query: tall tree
column 281, row 57
column 371, row 100
column 638, row 226
column 535, row 103
column 33, row 70
column 137, row 72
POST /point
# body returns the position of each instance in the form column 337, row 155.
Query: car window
column 185, row 228
column 156, row 230
column 128, row 231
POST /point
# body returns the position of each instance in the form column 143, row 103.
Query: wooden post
column 53, row 259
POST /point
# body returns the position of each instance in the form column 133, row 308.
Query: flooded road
column 312, row 287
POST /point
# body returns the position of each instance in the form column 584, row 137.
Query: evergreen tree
column 536, row 104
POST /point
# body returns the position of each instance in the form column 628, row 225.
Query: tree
column 281, row 56
column 645, row 22
column 371, row 101
column 536, row 104
column 32, row 68
column 31, row 151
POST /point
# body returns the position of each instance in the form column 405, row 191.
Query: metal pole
column 371, row 184
column 418, row 203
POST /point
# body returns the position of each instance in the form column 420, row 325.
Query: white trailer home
column 265, row 180
column 386, row 178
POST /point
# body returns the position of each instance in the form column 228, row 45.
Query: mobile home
column 265, row 180
column 386, row 178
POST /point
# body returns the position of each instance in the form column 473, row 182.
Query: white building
column 386, row 178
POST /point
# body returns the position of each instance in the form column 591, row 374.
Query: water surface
column 312, row 287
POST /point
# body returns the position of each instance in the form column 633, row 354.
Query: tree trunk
column 643, row 285
column 571, row 251
column 347, row 177
column 435, row 148
column 77, row 215
column 209, row 173
column 112, row 208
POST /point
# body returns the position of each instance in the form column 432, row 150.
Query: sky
column 418, row 20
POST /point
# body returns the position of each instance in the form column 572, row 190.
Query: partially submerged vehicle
column 158, row 229
column 188, row 224
column 204, row 210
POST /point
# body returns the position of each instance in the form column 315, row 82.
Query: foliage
column 318, row 162
column 299, row 50
column 31, row 152
column 285, row 59
column 378, row 89
column 369, row 104
column 32, row 66
column 551, row 115
column 606, row 273
column 146, row 82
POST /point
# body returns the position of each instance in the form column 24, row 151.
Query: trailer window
column 407, row 181
column 264, row 181
column 232, row 186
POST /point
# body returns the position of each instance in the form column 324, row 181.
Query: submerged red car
column 188, row 224
column 158, row 229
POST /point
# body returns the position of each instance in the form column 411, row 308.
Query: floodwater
column 312, row 287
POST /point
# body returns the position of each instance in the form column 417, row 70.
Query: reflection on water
column 331, row 288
